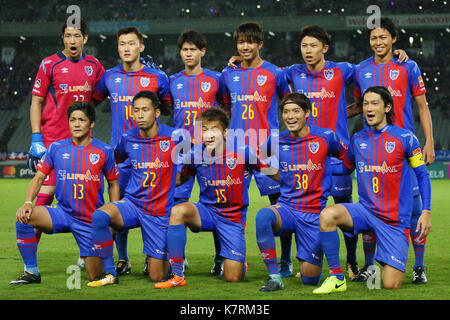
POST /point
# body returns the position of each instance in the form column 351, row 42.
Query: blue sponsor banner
column 114, row 26
column 442, row 155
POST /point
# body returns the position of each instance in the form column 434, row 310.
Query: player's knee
column 233, row 276
column 392, row 283
column 310, row 273
column 179, row 214
column 329, row 217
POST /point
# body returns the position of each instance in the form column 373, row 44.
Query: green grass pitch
column 57, row 252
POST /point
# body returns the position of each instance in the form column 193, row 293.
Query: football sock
column 121, row 244
column 351, row 243
column 26, row 242
column 265, row 219
column 369, row 247
column 176, row 243
column 418, row 245
column 42, row 199
column 103, row 240
column 217, row 257
column 330, row 245
column 286, row 241
column 314, row 281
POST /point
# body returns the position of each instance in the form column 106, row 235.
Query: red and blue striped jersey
column 403, row 80
column 121, row 87
column 152, row 181
column 223, row 186
column 61, row 81
column 191, row 95
column 304, row 166
column 326, row 91
column 253, row 94
column 382, row 159
column 79, row 172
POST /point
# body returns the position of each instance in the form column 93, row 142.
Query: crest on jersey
column 94, row 158
column 231, row 163
column 261, row 80
column 88, row 70
column 145, row 81
column 313, row 146
column 329, row 74
column 206, row 86
column 38, row 83
column 389, row 146
column 393, row 74
column 164, row 145
column 284, row 166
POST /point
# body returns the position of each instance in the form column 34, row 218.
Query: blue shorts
column 124, row 175
column 392, row 241
column 231, row 234
column 266, row 185
column 341, row 185
column 306, row 227
column 63, row 222
column 184, row 191
column 153, row 228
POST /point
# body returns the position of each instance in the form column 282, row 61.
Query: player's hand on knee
column 23, row 214
column 424, row 224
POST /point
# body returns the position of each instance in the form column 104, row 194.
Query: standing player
column 148, row 195
column 250, row 91
column 382, row 154
column 404, row 82
column 220, row 170
column 64, row 77
column 303, row 152
column 80, row 163
column 121, row 84
column 193, row 90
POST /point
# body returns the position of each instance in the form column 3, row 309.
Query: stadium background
column 30, row 30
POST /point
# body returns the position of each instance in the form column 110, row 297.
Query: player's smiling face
column 313, row 50
column 294, row 117
column 74, row 42
column 129, row 47
column 381, row 42
column 248, row 50
column 145, row 114
column 213, row 135
column 375, row 111
column 79, row 125
column 191, row 54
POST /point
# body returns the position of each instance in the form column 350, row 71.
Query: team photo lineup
column 284, row 126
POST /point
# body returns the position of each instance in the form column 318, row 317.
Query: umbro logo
column 179, row 86
column 368, row 75
column 64, row 70
column 236, row 79
column 118, row 80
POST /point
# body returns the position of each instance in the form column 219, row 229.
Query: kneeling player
column 383, row 154
column 148, row 195
column 220, row 168
column 304, row 154
column 79, row 163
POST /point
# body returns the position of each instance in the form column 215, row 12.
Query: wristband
column 30, row 202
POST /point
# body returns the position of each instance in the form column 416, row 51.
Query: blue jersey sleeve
column 120, row 150
column 282, row 83
column 110, row 168
column 101, row 90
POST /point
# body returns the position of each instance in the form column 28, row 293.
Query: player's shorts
column 50, row 180
column 124, row 175
column 341, row 184
column 184, row 191
column 63, row 222
column 153, row 228
column 307, row 231
column 231, row 234
column 392, row 241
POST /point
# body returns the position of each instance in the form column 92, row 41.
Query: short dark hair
column 192, row 36
column 315, row 31
column 388, row 24
column 387, row 98
column 83, row 27
column 252, row 31
column 299, row 99
column 215, row 114
column 128, row 30
column 86, row 107
column 148, row 95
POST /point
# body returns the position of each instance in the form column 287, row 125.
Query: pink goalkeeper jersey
column 61, row 81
